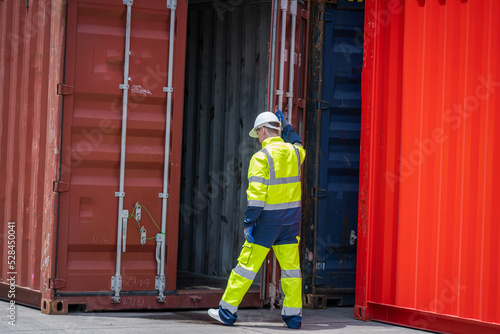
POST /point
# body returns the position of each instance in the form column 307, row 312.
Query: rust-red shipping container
column 428, row 232
column 70, row 78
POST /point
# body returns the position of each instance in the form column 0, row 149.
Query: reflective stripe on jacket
column 274, row 188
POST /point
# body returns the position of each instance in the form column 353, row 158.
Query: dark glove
column 282, row 119
column 248, row 234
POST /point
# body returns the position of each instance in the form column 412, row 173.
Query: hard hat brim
column 253, row 133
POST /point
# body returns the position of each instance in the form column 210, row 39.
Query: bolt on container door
column 339, row 160
column 91, row 144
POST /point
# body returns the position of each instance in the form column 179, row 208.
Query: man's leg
column 291, row 281
column 240, row 280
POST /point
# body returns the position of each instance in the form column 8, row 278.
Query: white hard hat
column 263, row 119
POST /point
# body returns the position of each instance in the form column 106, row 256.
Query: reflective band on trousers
column 245, row 273
column 291, row 311
column 291, row 273
column 229, row 307
column 282, row 206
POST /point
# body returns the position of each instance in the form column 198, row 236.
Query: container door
column 91, row 148
column 339, row 161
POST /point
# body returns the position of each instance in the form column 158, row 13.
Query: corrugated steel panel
column 226, row 75
column 91, row 143
column 427, row 256
column 31, row 51
column 339, row 162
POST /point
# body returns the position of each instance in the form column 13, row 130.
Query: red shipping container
column 61, row 96
column 427, row 243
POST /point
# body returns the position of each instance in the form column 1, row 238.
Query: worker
column 272, row 218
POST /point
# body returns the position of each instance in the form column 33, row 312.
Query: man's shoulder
column 259, row 155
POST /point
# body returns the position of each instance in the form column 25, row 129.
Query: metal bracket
column 195, row 298
column 353, row 238
column 301, row 103
column 128, row 2
column 293, row 8
column 318, row 193
column 143, row 235
column 123, row 86
column 322, row 105
column 57, row 283
column 317, row 280
column 116, row 282
column 305, row 14
column 279, row 92
column 138, row 215
column 119, row 194
column 160, row 282
column 172, row 4
column 284, row 5
column 63, row 89
column 163, row 195
column 160, row 237
column 60, row 186
column 168, row 89
column 289, row 94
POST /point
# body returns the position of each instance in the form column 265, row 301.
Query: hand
column 282, row 118
column 248, row 234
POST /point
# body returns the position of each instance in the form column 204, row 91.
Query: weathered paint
column 226, row 73
column 427, row 255
column 312, row 137
column 90, row 147
column 31, row 58
column 299, row 62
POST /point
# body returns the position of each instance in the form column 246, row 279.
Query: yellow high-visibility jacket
column 274, row 188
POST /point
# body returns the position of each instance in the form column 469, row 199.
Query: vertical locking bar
column 172, row 5
column 116, row 280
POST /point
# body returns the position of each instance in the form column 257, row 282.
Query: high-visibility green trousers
column 250, row 260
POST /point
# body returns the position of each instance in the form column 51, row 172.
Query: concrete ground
column 334, row 319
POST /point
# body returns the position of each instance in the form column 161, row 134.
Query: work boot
column 223, row 316
column 214, row 313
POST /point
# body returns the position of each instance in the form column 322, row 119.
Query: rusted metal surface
column 226, row 72
column 31, row 55
column 300, row 59
column 181, row 300
column 312, row 146
column 427, row 230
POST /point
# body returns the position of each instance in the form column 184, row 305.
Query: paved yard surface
column 331, row 320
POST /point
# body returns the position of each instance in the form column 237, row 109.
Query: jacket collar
column 272, row 140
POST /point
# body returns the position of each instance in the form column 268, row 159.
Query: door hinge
column 318, row 280
column 60, row 186
column 322, row 105
column 305, row 14
column 326, row 17
column 318, row 193
column 63, row 89
column 301, row 103
column 57, row 283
